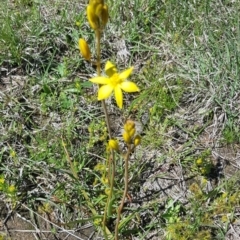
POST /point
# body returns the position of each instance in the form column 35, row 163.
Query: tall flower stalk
column 97, row 14
column 114, row 81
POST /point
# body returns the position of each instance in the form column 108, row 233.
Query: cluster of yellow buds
column 129, row 133
column 113, row 145
column 97, row 14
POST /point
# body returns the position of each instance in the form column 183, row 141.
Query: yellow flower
column 84, row 49
column 11, row 189
column 114, row 82
column 97, row 221
column 199, row 161
column 12, row 153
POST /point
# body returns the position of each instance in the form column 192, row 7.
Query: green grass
column 186, row 60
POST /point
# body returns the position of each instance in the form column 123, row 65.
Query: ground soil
column 22, row 225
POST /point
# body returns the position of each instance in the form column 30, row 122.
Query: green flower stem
column 120, row 208
column 108, row 207
column 107, row 118
column 112, row 157
column 112, row 173
column 98, row 37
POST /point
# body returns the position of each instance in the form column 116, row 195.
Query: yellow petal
column 118, row 96
column 125, row 74
column 104, row 92
column 110, row 68
column 129, row 87
column 99, row 80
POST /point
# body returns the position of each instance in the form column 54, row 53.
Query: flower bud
column 137, row 140
column 84, row 49
column 132, row 132
column 92, row 17
column 113, row 144
column 98, row 10
column 199, row 161
column 11, row 189
column 107, row 191
column 95, row 2
column 104, row 180
column 104, row 15
column 127, row 138
column 129, row 125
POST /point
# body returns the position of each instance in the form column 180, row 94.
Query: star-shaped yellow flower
column 114, row 82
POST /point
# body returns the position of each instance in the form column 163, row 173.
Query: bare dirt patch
column 26, row 225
